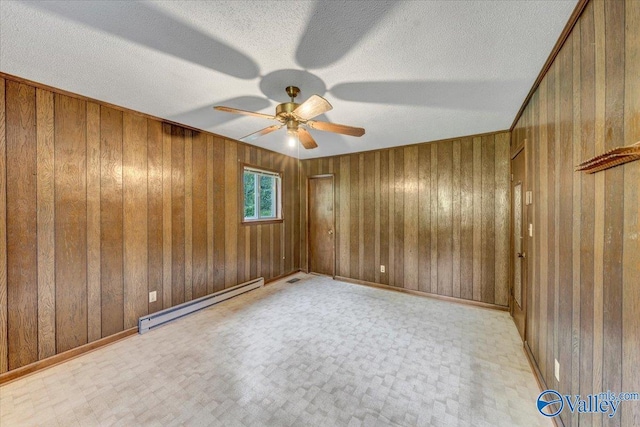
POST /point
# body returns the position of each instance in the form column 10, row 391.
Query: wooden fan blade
column 260, row 133
column 246, row 113
column 335, row 128
column 314, row 106
column 306, row 139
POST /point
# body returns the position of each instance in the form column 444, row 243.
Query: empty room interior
column 320, row 213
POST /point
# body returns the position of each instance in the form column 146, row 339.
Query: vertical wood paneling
column 354, row 213
column 424, row 218
column 501, row 219
column 361, row 188
column 614, row 197
column 155, row 213
column 71, row 222
column 587, row 150
column 4, row 348
column 369, row 217
column 22, row 284
column 200, row 228
column 392, row 218
column 134, row 190
column 410, row 217
column 488, row 220
column 219, row 214
column 585, row 246
column 111, row 249
column 100, row 206
column 94, row 304
column 46, row 225
column 445, row 218
column 384, row 215
column 166, row 217
column 630, row 413
column 211, row 269
column 433, row 237
column 178, row 263
column 231, row 212
column 188, row 215
column 413, row 209
column 466, row 219
column 456, row 219
column 398, row 218
column 477, row 219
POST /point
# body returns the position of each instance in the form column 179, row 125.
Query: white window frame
column 276, row 200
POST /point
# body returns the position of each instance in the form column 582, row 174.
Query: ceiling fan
column 297, row 117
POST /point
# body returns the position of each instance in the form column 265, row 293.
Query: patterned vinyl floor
column 315, row 353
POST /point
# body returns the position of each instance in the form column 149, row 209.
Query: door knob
column 330, row 231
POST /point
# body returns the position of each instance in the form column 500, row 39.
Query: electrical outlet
column 557, row 370
column 152, row 296
column 382, row 269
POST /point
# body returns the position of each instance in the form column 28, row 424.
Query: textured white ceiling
column 405, row 71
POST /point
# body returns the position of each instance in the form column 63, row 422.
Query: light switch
column 530, row 230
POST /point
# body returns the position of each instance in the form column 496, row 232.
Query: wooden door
column 518, row 300
column 321, row 225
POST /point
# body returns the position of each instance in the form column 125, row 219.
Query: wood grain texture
column 413, row 210
column 188, row 215
column 46, row 226
column 166, row 217
column 219, row 214
column 4, row 345
column 178, row 264
column 111, row 276
column 455, row 215
column 501, row 223
column 424, row 218
column 445, row 219
column 94, row 305
column 70, row 222
column 155, row 214
column 466, row 219
column 22, row 285
column 631, row 223
column 410, row 218
column 231, row 212
column 200, row 230
column 477, row 219
column 210, row 219
column 135, row 225
column 586, row 226
column 102, row 205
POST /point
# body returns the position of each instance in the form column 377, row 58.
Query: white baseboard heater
column 151, row 321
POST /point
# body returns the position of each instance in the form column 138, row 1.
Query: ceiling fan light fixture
column 292, row 137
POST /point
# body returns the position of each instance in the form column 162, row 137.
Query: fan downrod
column 292, row 91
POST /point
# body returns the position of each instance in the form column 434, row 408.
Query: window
column 262, row 195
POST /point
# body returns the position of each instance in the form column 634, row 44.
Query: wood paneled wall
column 100, row 206
column 436, row 215
column 584, row 294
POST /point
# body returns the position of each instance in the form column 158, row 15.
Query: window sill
column 261, row 221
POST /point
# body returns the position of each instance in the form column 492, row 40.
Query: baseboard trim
column 542, row 385
column 423, row 294
column 57, row 359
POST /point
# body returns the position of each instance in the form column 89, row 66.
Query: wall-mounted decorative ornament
column 615, row 157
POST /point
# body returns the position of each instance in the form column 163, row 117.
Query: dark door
column 321, row 220
column 518, row 302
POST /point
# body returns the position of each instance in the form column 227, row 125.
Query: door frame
column 308, row 222
column 522, row 149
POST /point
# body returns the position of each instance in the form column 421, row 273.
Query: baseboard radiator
column 146, row 323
